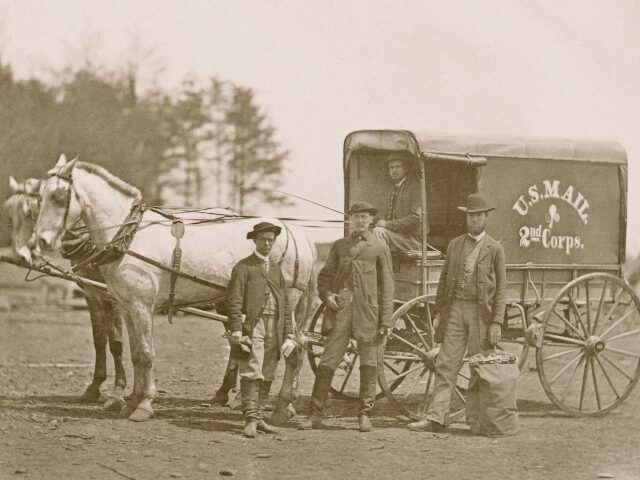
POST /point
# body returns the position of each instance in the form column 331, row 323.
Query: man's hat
column 399, row 157
column 359, row 207
column 264, row 227
column 476, row 202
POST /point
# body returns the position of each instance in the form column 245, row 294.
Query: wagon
column 561, row 218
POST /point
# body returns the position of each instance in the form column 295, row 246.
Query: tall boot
column 263, row 395
column 249, row 394
column 319, row 395
column 229, row 382
column 368, row 383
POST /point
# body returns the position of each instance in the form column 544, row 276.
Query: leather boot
column 368, row 383
column 319, row 395
column 249, row 394
column 228, row 383
column 263, row 395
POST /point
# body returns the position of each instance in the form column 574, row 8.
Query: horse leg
column 113, row 324
column 229, row 382
column 142, row 316
column 284, row 410
column 92, row 393
column 134, row 348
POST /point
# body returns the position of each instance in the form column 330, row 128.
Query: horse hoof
column 90, row 395
column 126, row 411
column 140, row 415
column 281, row 415
column 220, row 399
column 114, row 404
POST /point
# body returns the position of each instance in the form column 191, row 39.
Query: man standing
column 400, row 229
column 260, row 321
column 470, row 302
column 356, row 284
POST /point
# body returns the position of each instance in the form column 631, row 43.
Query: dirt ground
column 47, row 433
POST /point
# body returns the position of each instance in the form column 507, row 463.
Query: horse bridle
column 67, row 200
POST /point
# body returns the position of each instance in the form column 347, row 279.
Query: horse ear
column 32, row 185
column 13, row 185
column 62, row 161
column 65, row 170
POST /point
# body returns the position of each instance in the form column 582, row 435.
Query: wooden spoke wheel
column 589, row 361
column 407, row 374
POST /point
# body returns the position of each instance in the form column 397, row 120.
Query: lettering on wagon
column 542, row 234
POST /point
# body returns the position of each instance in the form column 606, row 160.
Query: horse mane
column 111, row 179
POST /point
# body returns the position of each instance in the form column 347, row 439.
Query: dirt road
column 47, row 433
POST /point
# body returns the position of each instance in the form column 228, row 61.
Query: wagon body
column 561, row 219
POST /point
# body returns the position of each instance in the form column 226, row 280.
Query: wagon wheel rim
column 411, row 345
column 345, row 383
column 588, row 363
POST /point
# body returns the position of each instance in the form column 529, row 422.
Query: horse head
column 59, row 205
column 21, row 211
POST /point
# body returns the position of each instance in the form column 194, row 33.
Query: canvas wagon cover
column 559, row 201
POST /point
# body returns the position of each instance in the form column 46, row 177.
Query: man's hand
column 381, row 223
column 288, row 346
column 333, row 301
column 235, row 337
column 493, row 335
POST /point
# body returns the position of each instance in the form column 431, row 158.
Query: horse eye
column 60, row 196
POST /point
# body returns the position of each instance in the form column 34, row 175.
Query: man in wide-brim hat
column 470, row 305
column 356, row 285
column 260, row 319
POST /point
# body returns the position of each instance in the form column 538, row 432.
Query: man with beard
column 470, row 304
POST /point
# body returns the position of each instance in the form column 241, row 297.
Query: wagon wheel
column 592, row 333
column 409, row 357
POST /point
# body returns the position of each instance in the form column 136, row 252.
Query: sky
column 322, row 69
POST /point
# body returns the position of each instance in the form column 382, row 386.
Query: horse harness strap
column 115, row 249
column 177, row 231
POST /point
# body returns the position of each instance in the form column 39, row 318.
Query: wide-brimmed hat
column 360, row 207
column 264, row 227
column 476, row 203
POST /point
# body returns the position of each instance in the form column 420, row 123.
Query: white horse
column 75, row 190
column 21, row 209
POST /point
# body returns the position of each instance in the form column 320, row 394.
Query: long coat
column 491, row 276
column 365, row 268
column 246, row 296
column 408, row 209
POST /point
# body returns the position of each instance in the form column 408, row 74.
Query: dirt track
column 47, row 433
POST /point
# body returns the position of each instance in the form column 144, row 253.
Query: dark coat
column 492, row 282
column 408, row 209
column 246, row 296
column 366, row 268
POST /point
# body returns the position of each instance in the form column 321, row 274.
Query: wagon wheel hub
column 594, row 345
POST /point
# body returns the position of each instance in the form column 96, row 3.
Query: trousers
column 263, row 358
column 463, row 333
column 339, row 337
column 396, row 241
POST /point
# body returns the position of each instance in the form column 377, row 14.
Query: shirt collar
column 399, row 184
column 364, row 235
column 477, row 238
column 261, row 257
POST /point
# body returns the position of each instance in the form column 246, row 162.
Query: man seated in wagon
column 400, row 228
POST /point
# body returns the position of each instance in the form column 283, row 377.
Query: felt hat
column 263, row 227
column 477, row 202
column 359, row 207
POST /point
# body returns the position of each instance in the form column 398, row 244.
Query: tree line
column 204, row 144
